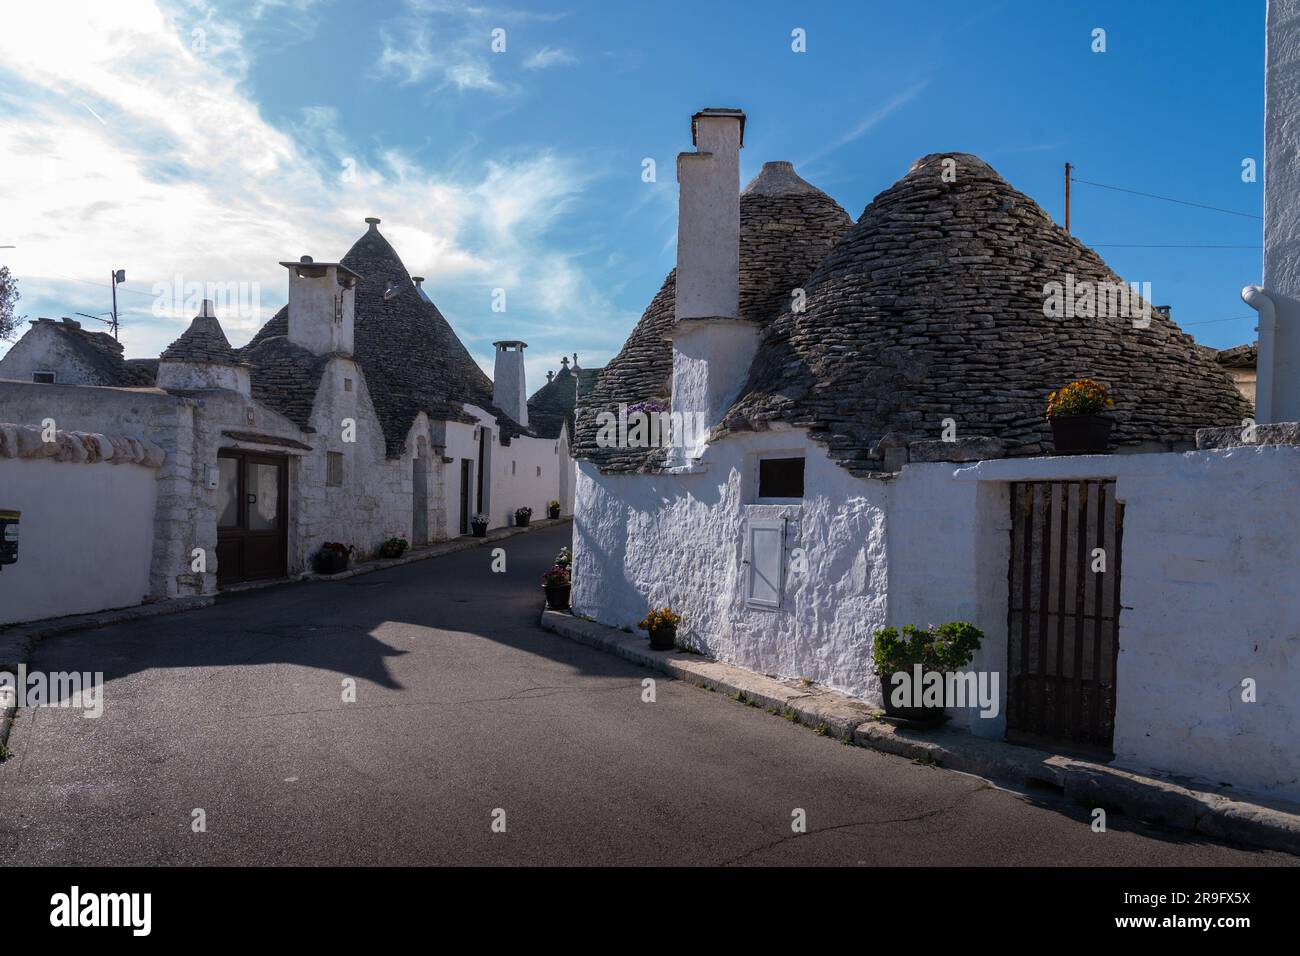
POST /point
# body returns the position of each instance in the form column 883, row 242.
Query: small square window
column 347, row 385
column 780, row 478
column 333, row 469
column 43, row 378
column 539, row 471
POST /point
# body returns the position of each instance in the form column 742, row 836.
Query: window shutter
column 765, row 562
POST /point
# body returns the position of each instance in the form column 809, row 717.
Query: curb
column 1261, row 823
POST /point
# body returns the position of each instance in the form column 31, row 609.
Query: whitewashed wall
column 86, row 536
column 1210, row 589
column 653, row 540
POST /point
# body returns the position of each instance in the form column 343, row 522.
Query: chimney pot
column 373, row 221
column 208, row 311
column 305, row 259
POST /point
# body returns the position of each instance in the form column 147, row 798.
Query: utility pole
column 115, row 277
column 1068, row 167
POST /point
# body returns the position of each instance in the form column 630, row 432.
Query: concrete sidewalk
column 1255, row 822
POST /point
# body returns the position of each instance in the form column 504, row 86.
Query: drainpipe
column 1262, row 302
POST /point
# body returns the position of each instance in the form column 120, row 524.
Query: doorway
column 465, row 475
column 252, row 516
column 1063, row 612
column 420, row 494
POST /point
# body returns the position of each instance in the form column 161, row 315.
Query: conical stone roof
column 932, row 307
column 203, row 341
column 411, row 358
column 787, row 226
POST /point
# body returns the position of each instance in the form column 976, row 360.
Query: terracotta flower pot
column 1081, row 434
column 663, row 638
column 557, row 596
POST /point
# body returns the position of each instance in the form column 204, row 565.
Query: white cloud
column 182, row 175
column 547, row 57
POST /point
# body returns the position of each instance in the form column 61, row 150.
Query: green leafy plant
column 947, row 647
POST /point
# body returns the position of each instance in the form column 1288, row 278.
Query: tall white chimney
column 509, row 391
column 1277, row 392
column 322, row 305
column 712, row 345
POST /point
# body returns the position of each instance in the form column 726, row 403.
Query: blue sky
column 209, row 140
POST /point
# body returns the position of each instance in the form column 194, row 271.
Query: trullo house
column 355, row 415
column 857, row 438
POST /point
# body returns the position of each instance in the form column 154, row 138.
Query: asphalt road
column 464, row 708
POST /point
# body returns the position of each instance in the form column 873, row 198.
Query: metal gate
column 1063, row 619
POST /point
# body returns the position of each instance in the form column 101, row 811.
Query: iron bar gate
column 1063, row 616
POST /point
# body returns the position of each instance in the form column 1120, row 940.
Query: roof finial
column 575, row 359
column 550, row 376
column 374, row 222
column 565, row 362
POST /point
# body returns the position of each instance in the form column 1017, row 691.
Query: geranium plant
column 557, row 577
column 1084, row 397
column 523, row 514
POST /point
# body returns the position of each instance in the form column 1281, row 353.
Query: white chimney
column 712, row 346
column 509, row 391
column 1277, row 393
column 322, row 305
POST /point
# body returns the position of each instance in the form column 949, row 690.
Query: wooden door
column 252, row 516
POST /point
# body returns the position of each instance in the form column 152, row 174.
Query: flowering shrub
column 944, row 648
column 660, row 617
column 557, row 576
column 1084, row 397
column 393, row 548
column 564, row 559
column 553, row 504
column 523, row 514
column 649, row 408
column 479, row 519
column 335, row 547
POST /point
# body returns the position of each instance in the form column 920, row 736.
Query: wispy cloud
column 179, row 173
column 871, row 120
column 548, row 57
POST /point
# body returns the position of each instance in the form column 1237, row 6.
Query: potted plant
column 553, row 509
column 332, row 558
column 393, row 548
column 1076, row 413
column 557, row 583
column 662, row 623
column 564, row 559
column 522, row 517
column 479, row 525
column 914, row 652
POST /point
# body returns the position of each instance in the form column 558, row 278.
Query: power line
column 1142, row 245
column 1235, row 318
column 1181, row 202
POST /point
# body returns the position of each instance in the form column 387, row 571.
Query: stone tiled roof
column 102, row 353
column 411, row 358
column 932, row 307
column 787, row 226
column 1239, row 356
column 285, row 376
column 203, row 341
column 552, row 405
